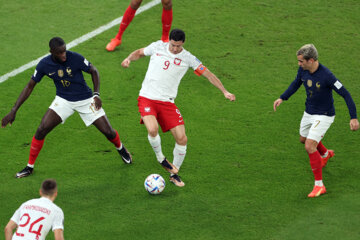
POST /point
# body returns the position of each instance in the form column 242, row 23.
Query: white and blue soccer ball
column 154, row 184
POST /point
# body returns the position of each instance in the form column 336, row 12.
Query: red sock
column 35, row 148
column 315, row 162
column 321, row 148
column 126, row 20
column 166, row 19
column 116, row 140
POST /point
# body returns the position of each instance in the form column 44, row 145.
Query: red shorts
column 166, row 113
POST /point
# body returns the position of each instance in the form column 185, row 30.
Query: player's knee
column 302, row 140
column 153, row 132
column 310, row 147
column 182, row 140
column 167, row 4
column 41, row 132
column 135, row 4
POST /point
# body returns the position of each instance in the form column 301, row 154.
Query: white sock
column 155, row 143
column 179, row 155
column 31, row 165
column 121, row 146
column 319, row 183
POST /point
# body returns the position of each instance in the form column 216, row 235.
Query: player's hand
column 354, row 124
column 8, row 119
column 126, row 63
column 97, row 103
column 229, row 96
column 277, row 103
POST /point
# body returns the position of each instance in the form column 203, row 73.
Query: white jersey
column 165, row 71
column 35, row 218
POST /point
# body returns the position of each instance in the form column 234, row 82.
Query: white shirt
column 165, row 71
column 35, row 218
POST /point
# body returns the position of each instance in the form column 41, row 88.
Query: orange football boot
column 113, row 44
column 317, row 191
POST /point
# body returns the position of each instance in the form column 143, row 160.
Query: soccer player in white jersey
column 36, row 217
column 168, row 64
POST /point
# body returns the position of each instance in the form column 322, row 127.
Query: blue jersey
column 68, row 77
column 319, row 86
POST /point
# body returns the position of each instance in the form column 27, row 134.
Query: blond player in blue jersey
column 319, row 83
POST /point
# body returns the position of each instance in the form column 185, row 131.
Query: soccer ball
column 154, row 184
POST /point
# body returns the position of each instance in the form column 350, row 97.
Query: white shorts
column 85, row 108
column 315, row 126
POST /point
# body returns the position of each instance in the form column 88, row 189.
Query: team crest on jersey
column 309, row 83
column 147, row 109
column 317, row 85
column 68, row 70
column 60, row 73
column 177, row 61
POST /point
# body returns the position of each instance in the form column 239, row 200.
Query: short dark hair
column 56, row 42
column 177, row 35
column 49, row 187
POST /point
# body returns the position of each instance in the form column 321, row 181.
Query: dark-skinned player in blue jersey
column 72, row 94
column 319, row 113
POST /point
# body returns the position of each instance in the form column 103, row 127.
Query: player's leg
column 325, row 153
column 104, row 126
column 315, row 163
column 180, row 145
column 166, row 19
column 320, row 124
column 179, row 152
column 126, row 20
column 149, row 111
column 50, row 120
column 171, row 119
column 152, row 127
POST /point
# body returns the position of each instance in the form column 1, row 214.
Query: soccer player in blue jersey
column 72, row 94
column 319, row 113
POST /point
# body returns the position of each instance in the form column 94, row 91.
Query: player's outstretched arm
column 9, row 229
column 354, row 124
column 277, row 103
column 217, row 83
column 135, row 55
column 96, row 81
column 10, row 117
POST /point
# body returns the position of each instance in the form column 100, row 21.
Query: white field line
column 78, row 41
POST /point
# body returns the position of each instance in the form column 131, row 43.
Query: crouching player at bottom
column 72, row 94
column 319, row 112
column 36, row 217
column 168, row 64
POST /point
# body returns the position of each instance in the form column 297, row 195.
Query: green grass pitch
column 246, row 174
